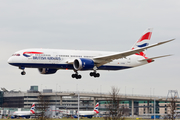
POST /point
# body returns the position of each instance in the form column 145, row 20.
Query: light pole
column 56, row 86
column 76, row 87
column 41, row 88
column 125, row 90
column 154, row 108
column 78, row 105
column 153, row 92
column 132, row 91
column 72, row 94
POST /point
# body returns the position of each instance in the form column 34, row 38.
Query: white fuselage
column 87, row 113
column 61, row 59
column 22, row 113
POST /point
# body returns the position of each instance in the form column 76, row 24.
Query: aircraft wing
column 100, row 60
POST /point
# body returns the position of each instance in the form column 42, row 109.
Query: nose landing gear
column 23, row 72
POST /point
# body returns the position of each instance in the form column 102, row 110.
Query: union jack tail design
column 32, row 108
column 96, row 108
column 143, row 41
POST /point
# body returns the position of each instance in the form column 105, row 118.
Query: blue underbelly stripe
column 64, row 66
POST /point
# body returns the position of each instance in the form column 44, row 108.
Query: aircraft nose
column 10, row 60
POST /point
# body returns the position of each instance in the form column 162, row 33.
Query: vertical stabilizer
column 96, row 108
column 143, row 41
column 32, row 108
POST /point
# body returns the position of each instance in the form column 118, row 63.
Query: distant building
column 1, row 97
column 33, row 89
column 47, row 91
column 65, row 100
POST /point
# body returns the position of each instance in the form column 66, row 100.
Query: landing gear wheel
column 73, row 75
column 23, row 73
column 76, row 76
column 94, row 74
column 79, row 76
column 91, row 74
column 97, row 75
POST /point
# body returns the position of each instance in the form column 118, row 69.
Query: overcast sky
column 104, row 25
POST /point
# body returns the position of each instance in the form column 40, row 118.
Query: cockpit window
column 16, row 55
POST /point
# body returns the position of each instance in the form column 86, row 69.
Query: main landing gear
column 94, row 74
column 76, row 75
column 23, row 72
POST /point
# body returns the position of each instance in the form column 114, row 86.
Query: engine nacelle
column 83, row 64
column 47, row 70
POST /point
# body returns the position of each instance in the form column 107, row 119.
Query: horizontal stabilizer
column 155, row 57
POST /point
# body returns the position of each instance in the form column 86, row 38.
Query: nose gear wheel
column 23, row 73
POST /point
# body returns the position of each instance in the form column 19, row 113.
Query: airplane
column 25, row 114
column 89, row 114
column 48, row 61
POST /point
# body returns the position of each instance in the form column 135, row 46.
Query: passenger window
column 16, row 55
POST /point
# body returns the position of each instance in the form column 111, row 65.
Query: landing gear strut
column 23, row 72
column 76, row 75
column 94, row 74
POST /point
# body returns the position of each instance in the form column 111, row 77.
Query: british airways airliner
column 26, row 114
column 48, row 61
column 89, row 114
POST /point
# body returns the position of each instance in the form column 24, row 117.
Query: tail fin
column 143, row 41
column 96, row 108
column 32, row 108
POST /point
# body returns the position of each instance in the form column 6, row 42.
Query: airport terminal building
column 63, row 100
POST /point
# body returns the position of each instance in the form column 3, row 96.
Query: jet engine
column 83, row 64
column 47, row 70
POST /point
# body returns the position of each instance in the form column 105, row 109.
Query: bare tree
column 114, row 109
column 172, row 107
column 42, row 108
